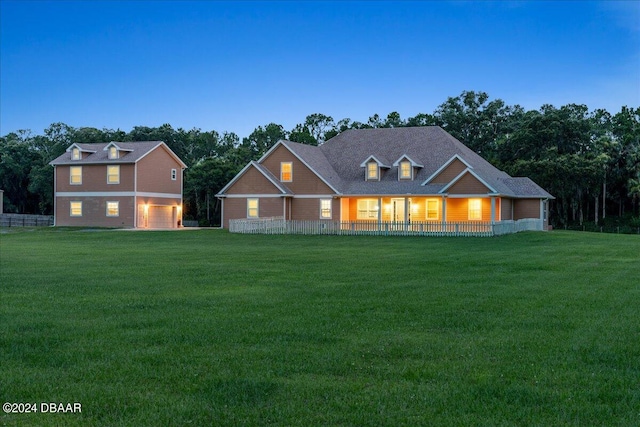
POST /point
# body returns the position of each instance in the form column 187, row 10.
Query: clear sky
column 232, row 66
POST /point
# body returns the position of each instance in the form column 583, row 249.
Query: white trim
column 257, row 208
column 290, row 171
column 444, row 166
column 248, row 196
column 404, row 156
column 313, row 196
column 330, row 208
column 116, row 194
column 108, row 175
column 82, row 150
column 174, row 174
column 243, row 171
column 71, row 202
column 304, row 163
column 475, row 175
column 380, row 164
column 71, row 175
column 117, row 202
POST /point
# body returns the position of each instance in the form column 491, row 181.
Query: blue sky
column 232, row 66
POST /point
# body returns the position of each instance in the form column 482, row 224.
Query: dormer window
column 406, row 170
column 75, row 154
column 373, row 171
column 113, row 152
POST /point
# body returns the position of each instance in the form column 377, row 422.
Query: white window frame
column 71, row 214
column 432, row 210
column 117, row 208
column 283, row 172
column 326, row 209
column 109, row 175
column 253, row 212
column 71, row 175
column 113, row 152
column 368, row 209
column 409, row 169
column 475, row 212
column 373, row 171
column 174, row 174
column 75, row 154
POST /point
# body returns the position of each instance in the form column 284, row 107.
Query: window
column 286, row 171
column 75, row 154
column 372, row 171
column 113, row 174
column 405, row 170
column 325, row 208
column 174, row 174
column 75, row 175
column 368, row 209
column 113, row 208
column 432, row 209
column 113, row 152
column 75, row 209
column 475, row 209
column 252, row 208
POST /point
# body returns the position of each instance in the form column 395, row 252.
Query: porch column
column 379, row 210
column 493, row 209
column 407, row 206
column 444, row 209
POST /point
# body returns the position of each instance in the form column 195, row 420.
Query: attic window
column 75, row 154
column 405, row 170
column 286, row 171
column 372, row 171
column 113, row 152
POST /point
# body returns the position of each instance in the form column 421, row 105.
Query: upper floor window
column 372, row 171
column 113, row 174
column 286, row 171
column 75, row 154
column 113, row 152
column 475, row 209
column 325, row 208
column 75, row 175
column 405, row 170
column 252, row 208
column 174, row 174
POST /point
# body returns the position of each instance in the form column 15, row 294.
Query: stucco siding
column 304, row 181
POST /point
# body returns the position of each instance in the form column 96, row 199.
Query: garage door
column 161, row 217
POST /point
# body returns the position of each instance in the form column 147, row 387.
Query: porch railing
column 278, row 225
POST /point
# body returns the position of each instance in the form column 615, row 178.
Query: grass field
column 210, row 328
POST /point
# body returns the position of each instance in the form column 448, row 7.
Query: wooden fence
column 278, row 225
column 19, row 220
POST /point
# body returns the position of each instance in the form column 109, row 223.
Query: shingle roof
column 132, row 152
column 339, row 161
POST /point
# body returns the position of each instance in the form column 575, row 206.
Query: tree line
column 589, row 160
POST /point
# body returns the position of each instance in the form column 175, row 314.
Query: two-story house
column 118, row 184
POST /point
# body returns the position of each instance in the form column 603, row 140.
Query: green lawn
column 210, row 328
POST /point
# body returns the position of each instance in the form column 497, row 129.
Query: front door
column 398, row 210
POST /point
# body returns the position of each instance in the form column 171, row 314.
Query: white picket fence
column 278, row 225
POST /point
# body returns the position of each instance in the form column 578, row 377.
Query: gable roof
column 339, row 161
column 98, row 153
column 264, row 171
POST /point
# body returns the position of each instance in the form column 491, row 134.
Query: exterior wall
column 154, row 173
column 449, row 173
column 94, row 212
column 506, row 209
column 468, row 184
column 309, row 209
column 94, row 178
column 252, row 182
column 526, row 208
column 458, row 210
column 304, row 180
column 236, row 208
